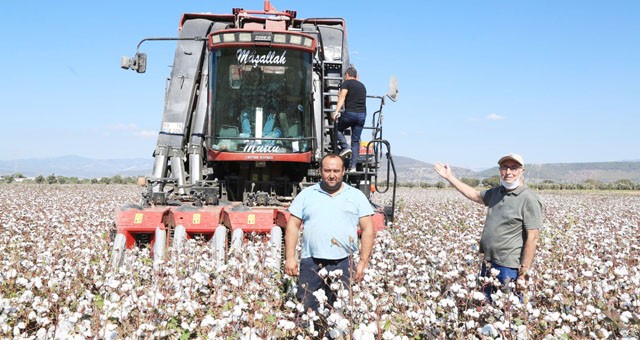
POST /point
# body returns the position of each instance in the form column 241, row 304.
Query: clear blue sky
column 557, row 81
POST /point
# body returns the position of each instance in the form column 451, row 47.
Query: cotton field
column 56, row 278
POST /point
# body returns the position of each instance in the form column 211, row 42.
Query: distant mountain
column 75, row 166
column 411, row 170
column 407, row 169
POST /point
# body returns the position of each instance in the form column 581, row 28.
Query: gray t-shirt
column 510, row 214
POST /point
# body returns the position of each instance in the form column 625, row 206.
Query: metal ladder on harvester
column 331, row 80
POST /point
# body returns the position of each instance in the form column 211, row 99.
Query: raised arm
column 342, row 96
column 467, row 191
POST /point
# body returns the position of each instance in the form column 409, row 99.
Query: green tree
column 39, row 179
column 623, row 184
column 441, row 185
column 52, row 179
column 472, row 182
column 117, row 179
column 492, row 181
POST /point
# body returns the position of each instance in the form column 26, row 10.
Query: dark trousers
column 505, row 276
column 355, row 121
column 309, row 281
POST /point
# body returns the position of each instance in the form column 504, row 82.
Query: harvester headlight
column 279, row 38
column 244, row 37
column 307, row 42
column 229, row 37
column 295, row 39
column 216, row 39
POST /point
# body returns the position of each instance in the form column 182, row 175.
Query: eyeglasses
column 512, row 168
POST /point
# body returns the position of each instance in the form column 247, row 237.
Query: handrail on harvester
column 376, row 144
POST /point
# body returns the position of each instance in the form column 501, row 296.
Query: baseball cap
column 512, row 156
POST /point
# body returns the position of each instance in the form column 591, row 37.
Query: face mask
column 511, row 186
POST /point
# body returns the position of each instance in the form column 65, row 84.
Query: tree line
column 53, row 179
column 590, row 184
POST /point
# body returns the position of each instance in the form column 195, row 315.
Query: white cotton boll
column 320, row 296
column 37, row 282
column 286, row 325
column 22, row 281
column 587, row 273
column 335, row 273
column 207, row 321
column 488, row 330
column 323, row 273
column 494, row 272
column 471, row 324
column 472, row 313
column 338, row 304
column 626, row 316
column 335, row 286
column 501, row 326
column 621, row 271
column 342, row 293
column 447, row 303
column 454, row 288
column 552, row 317
column 479, row 296
column 26, row 296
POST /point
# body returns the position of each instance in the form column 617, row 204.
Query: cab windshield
column 260, row 100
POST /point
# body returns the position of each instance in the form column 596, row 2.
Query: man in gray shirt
column 514, row 219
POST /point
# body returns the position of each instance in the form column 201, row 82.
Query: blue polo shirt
column 330, row 222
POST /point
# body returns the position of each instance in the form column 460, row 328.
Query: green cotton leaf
column 387, row 325
column 99, row 301
column 186, row 335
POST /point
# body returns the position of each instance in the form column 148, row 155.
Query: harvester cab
column 246, row 121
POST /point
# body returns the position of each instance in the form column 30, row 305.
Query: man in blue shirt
column 331, row 212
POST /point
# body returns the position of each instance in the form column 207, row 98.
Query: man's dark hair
column 332, row 155
column 352, row 72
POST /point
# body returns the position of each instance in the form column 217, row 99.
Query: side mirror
column 393, row 89
column 137, row 63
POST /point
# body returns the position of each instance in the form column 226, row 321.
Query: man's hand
column 359, row 274
column 291, row 267
column 523, row 278
column 335, row 115
column 443, row 170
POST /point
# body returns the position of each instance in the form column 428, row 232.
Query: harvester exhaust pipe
column 159, row 247
column 119, row 245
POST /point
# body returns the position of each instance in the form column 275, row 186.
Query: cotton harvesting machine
column 246, row 121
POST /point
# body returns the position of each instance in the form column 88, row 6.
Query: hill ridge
column 408, row 169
